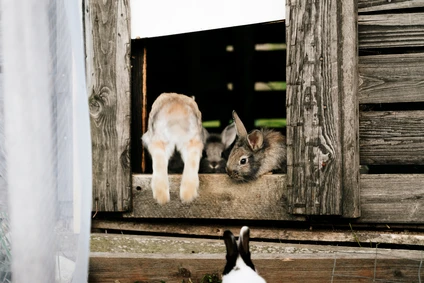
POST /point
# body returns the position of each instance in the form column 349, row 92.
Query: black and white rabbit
column 239, row 266
column 175, row 123
column 215, row 151
column 255, row 154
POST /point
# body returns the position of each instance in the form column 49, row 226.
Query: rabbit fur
column 255, row 154
column 175, row 123
column 215, row 152
column 239, row 266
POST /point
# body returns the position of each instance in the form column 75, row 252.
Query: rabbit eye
column 243, row 161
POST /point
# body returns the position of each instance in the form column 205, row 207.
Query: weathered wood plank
column 321, row 103
column 391, row 30
column 383, row 5
column 384, row 77
column 400, row 198
column 107, row 37
column 219, row 198
column 392, row 137
column 266, row 199
column 274, row 261
column 366, row 237
column 348, row 87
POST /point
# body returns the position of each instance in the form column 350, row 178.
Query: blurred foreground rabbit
column 239, row 266
column 175, row 123
column 255, row 154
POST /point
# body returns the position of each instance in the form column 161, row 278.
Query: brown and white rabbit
column 216, row 150
column 255, row 154
column 175, row 123
column 239, row 266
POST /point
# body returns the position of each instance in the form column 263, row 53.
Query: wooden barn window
column 240, row 68
column 322, row 110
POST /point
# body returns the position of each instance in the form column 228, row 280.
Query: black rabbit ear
column 241, row 130
column 232, row 251
column 230, row 243
column 243, row 246
column 255, row 139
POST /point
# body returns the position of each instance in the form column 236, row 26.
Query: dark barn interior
column 239, row 68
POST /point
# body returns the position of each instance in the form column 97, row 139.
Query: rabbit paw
column 188, row 189
column 160, row 188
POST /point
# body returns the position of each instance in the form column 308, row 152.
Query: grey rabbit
column 255, row 154
column 215, row 151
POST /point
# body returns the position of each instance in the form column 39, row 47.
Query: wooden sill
column 394, row 198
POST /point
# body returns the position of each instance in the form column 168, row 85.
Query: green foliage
column 211, row 124
column 270, row 123
column 211, row 278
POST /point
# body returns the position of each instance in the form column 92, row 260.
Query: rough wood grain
column 392, row 137
column 321, row 103
column 219, row 198
column 348, row 87
column 266, row 199
column 366, row 237
column 399, row 199
column 107, row 36
column 383, row 5
column 275, row 262
column 391, row 30
column 384, row 77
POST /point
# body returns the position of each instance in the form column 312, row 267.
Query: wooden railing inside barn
column 355, row 96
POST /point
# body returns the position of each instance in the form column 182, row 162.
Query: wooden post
column 322, row 108
column 107, row 41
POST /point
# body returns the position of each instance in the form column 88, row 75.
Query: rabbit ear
column 255, row 139
column 232, row 251
column 241, row 130
column 205, row 134
column 243, row 246
column 228, row 135
column 244, row 239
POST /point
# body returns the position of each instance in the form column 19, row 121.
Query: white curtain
column 45, row 147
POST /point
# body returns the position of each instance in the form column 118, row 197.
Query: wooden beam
column 107, row 41
column 266, row 199
column 398, row 199
column 322, row 129
column 383, row 77
column 384, row 5
column 366, row 238
column 392, row 137
column 391, row 30
column 219, row 198
column 137, row 61
column 166, row 259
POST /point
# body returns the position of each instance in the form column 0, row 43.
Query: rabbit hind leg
column 160, row 152
column 191, row 154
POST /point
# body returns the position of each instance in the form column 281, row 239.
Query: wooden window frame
column 322, row 133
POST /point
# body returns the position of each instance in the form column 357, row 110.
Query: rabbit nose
column 214, row 164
